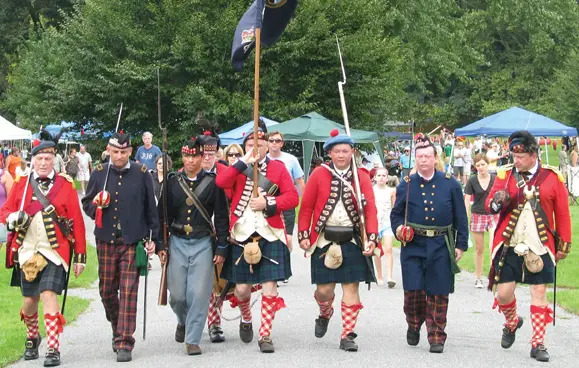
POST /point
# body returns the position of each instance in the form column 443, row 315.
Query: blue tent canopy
column 236, row 135
column 66, row 137
column 508, row 121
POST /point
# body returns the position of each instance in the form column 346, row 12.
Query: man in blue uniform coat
column 433, row 238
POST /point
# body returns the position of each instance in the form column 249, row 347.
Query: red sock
column 269, row 305
column 53, row 323
column 31, row 322
column 245, row 309
column 349, row 318
column 540, row 316
column 213, row 317
column 326, row 308
column 510, row 312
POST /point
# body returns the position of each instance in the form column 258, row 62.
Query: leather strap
column 48, row 208
column 194, row 197
column 262, row 181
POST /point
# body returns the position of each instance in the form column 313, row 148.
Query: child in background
column 385, row 194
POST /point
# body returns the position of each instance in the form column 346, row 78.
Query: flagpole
column 256, row 94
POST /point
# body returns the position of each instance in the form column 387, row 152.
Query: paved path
column 474, row 332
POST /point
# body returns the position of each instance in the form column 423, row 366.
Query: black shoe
column 436, row 348
column 124, row 355
column 31, row 348
column 216, row 334
column 180, row 333
column 348, row 343
column 509, row 336
column 266, row 345
column 412, row 337
column 540, row 353
column 52, row 358
column 246, row 332
column 321, row 326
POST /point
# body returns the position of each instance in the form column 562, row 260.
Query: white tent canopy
column 10, row 132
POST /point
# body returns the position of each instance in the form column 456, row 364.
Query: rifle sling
column 262, row 181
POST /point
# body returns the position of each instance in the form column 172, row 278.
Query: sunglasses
column 234, row 155
column 276, row 140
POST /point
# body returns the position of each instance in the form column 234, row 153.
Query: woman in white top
column 385, row 194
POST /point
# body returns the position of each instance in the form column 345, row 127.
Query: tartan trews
column 118, row 288
column 415, row 308
column 436, row 310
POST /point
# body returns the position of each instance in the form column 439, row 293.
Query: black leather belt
column 431, row 233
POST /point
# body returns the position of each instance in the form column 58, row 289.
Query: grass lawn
column 12, row 330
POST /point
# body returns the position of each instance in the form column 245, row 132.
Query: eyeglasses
column 234, row 155
column 276, row 140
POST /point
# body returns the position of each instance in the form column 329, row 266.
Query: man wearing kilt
column 534, row 232
column 429, row 218
column 329, row 232
column 123, row 205
column 47, row 232
column 258, row 254
column 192, row 200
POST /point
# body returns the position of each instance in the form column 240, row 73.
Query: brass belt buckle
column 430, row 233
column 49, row 209
column 187, row 228
column 521, row 183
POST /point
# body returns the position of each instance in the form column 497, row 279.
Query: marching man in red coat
column 534, row 233
column 47, row 226
column 258, row 253
column 329, row 232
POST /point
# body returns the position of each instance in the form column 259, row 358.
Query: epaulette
column 407, row 179
column 556, row 171
column 448, row 175
column 99, row 167
column 67, row 177
column 171, row 174
column 144, row 168
column 502, row 171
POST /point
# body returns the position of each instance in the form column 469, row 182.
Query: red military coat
column 553, row 198
column 232, row 178
column 320, row 195
column 66, row 204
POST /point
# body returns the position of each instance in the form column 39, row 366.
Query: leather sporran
column 338, row 234
column 252, row 253
column 333, row 258
column 533, row 262
column 33, row 266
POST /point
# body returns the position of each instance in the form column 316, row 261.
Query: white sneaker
column 478, row 284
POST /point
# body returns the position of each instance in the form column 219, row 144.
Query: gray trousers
column 190, row 280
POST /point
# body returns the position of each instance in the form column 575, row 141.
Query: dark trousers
column 432, row 309
column 118, row 288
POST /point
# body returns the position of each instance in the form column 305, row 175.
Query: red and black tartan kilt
column 263, row 271
column 354, row 266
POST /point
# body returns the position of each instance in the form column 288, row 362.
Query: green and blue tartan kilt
column 263, row 271
column 52, row 278
column 354, row 266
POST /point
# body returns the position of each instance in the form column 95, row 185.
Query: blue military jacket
column 437, row 202
column 132, row 212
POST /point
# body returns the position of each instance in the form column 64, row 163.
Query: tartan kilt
column 263, row 271
column 354, row 266
column 52, row 277
column 514, row 264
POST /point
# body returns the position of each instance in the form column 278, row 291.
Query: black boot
column 321, row 326
column 52, row 358
column 216, row 334
column 412, row 337
column 509, row 336
column 540, row 353
column 437, row 348
column 246, row 332
column 180, row 333
column 124, row 355
column 31, row 348
column 348, row 343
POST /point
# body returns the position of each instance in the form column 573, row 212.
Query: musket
column 358, row 192
column 408, row 181
column 162, row 300
column 116, row 130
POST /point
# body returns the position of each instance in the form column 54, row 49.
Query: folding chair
column 573, row 184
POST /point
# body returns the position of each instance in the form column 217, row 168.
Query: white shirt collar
column 342, row 172
column 425, row 178
column 50, row 176
column 534, row 169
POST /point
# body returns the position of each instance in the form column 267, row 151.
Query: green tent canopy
column 313, row 127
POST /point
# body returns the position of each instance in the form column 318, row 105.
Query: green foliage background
column 437, row 61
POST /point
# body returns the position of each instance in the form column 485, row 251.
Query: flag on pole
column 272, row 20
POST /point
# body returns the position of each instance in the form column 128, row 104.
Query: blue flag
column 272, row 22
